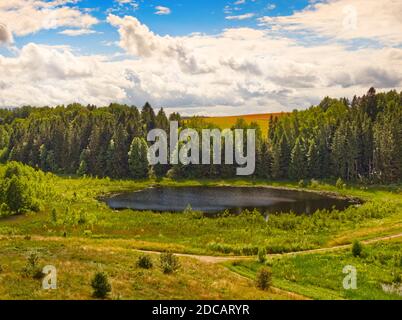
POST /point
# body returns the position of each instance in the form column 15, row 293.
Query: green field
column 79, row 234
column 226, row 122
column 320, row 276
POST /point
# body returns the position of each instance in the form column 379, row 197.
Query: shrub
column 314, row 183
column 144, row 262
column 249, row 250
column 31, row 268
column 302, row 184
column 357, row 249
column 17, row 195
column 340, row 184
column 397, row 278
column 21, row 187
column 101, row 286
column 54, row 215
column 193, row 214
column 264, row 278
column 262, row 255
column 169, row 262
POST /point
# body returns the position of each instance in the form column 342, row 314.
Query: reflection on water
column 213, row 200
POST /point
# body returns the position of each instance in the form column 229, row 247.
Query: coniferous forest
column 356, row 140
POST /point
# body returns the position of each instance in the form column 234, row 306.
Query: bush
column 262, row 255
column 21, row 187
column 314, row 183
column 54, row 216
column 144, row 262
column 101, row 286
column 340, row 184
column 302, row 184
column 264, row 278
column 31, row 268
column 357, row 249
column 397, row 278
column 169, row 262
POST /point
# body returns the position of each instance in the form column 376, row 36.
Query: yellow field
column 229, row 121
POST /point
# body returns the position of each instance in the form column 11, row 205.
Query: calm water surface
column 212, row 200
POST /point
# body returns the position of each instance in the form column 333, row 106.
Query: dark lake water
column 212, row 200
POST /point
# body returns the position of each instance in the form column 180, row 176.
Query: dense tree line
column 356, row 140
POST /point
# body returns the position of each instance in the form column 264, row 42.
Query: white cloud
column 240, row 70
column 345, row 20
column 138, row 40
column 241, row 17
column 45, row 75
column 24, row 17
column 162, row 10
column 76, row 32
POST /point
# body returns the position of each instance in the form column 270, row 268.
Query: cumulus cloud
column 24, row 17
column 240, row 70
column 137, row 39
column 345, row 20
column 45, row 75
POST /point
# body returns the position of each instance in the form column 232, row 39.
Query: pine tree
column 148, row 117
column 83, row 167
column 263, row 161
column 387, row 149
column 314, row 160
column 137, row 158
column 281, row 159
column 162, row 121
column 117, row 155
column 298, row 164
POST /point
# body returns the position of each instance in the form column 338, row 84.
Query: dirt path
column 217, row 259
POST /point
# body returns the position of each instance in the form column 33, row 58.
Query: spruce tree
column 137, row 158
column 298, row 164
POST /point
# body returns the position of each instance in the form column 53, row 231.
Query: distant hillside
column 228, row 121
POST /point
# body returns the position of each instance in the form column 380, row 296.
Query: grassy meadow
column 320, row 276
column 79, row 234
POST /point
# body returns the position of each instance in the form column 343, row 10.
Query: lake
column 212, row 200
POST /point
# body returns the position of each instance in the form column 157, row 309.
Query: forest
column 357, row 140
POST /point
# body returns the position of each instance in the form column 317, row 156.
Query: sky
column 204, row 57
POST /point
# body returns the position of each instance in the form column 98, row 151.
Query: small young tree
column 144, row 262
column 262, row 255
column 32, row 268
column 357, row 249
column 264, row 278
column 18, row 196
column 340, row 184
column 101, row 286
column 169, row 262
column 54, row 215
